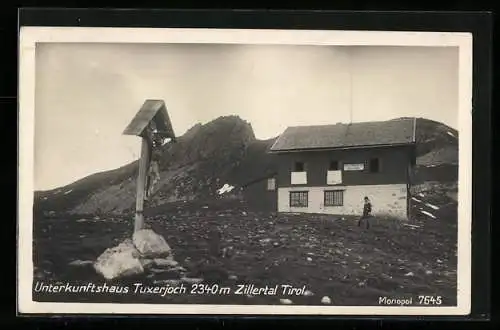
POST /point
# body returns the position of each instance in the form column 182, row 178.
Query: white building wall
column 387, row 200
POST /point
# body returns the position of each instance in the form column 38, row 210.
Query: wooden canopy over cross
column 153, row 111
column 152, row 119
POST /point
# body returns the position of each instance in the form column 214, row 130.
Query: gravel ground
column 331, row 256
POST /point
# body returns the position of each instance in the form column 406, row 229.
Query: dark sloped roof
column 364, row 134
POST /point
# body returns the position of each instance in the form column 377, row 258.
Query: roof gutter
column 392, row 145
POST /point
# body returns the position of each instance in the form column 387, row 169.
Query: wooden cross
column 151, row 120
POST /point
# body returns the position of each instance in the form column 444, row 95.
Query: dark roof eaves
column 391, row 145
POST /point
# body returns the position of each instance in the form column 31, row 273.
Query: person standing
column 367, row 213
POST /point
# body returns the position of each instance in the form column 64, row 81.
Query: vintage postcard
column 218, row 171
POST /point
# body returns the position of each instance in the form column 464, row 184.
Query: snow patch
column 432, row 206
column 416, row 200
column 451, row 134
column 225, row 188
column 411, row 226
column 67, row 192
column 428, row 214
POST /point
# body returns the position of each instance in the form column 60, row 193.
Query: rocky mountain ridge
column 222, row 152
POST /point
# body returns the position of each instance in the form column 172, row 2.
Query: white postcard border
column 30, row 36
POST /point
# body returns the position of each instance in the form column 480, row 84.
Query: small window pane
column 374, row 165
column 298, row 198
column 299, row 167
column 271, row 184
column 334, row 198
column 334, row 165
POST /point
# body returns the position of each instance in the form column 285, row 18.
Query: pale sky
column 87, row 93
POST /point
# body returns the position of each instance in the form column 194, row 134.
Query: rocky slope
column 223, row 151
column 437, row 152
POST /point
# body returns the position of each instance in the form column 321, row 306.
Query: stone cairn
column 146, row 253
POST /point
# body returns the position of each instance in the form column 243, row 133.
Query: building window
column 334, row 198
column 334, row 177
column 374, row 165
column 299, row 167
column 299, row 198
column 334, row 166
column 271, row 184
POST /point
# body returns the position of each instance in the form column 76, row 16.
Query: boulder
column 80, row 263
column 165, row 262
column 150, row 244
column 172, row 273
column 120, row 261
column 191, row 280
column 147, row 263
